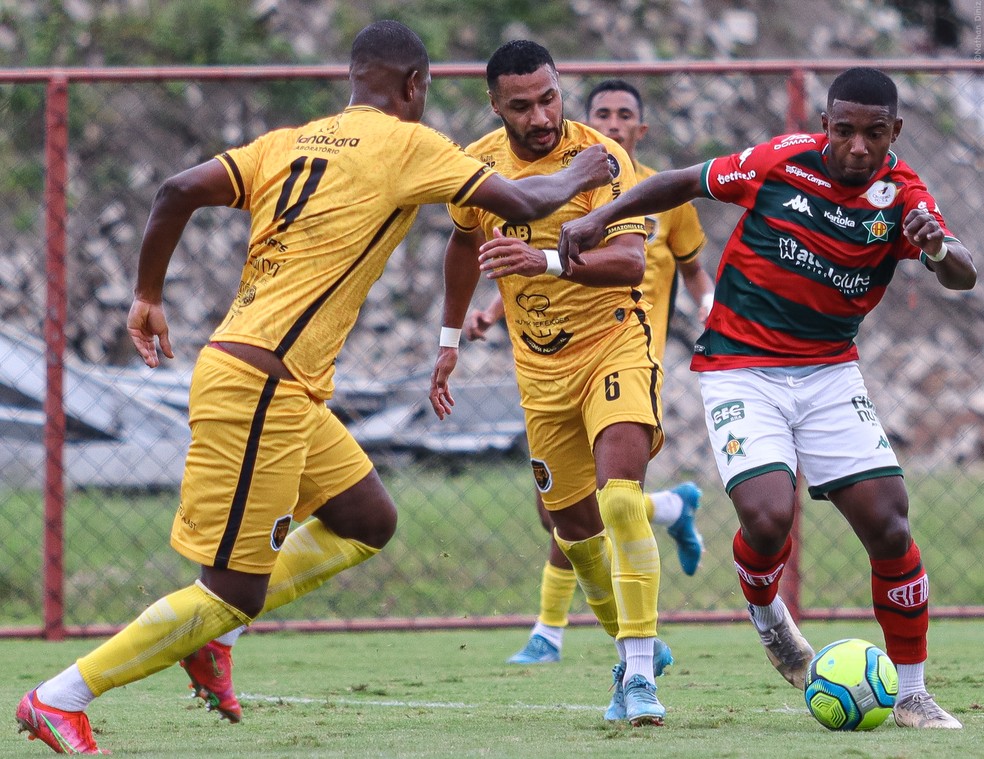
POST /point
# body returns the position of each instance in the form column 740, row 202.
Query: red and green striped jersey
column 809, row 258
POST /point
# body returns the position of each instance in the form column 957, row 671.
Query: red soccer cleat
column 64, row 732
column 210, row 671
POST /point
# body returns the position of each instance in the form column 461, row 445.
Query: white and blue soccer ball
column 851, row 685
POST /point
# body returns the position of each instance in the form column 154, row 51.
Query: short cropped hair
column 865, row 86
column 516, row 57
column 614, row 85
column 389, row 42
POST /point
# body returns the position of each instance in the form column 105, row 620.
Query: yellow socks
column 635, row 558
column 311, row 555
column 166, row 632
column 592, row 567
column 556, row 594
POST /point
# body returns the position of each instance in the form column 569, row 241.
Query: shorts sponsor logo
column 279, row 532
column 759, row 580
column 541, row 475
column 865, row 408
column 881, row 194
column 799, row 203
column 809, row 176
column 911, row 595
column 728, row 412
column 734, row 447
column 878, row 228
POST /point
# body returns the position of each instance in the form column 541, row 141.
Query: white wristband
column 707, row 301
column 939, row 256
column 449, row 337
column 553, row 262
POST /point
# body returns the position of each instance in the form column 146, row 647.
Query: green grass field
column 448, row 694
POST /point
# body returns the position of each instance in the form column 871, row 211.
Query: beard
column 527, row 140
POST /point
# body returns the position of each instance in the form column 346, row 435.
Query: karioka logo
column 839, row 219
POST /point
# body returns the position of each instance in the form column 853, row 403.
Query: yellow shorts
column 619, row 382
column 263, row 452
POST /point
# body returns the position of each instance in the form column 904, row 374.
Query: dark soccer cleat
column 63, row 732
column 210, row 672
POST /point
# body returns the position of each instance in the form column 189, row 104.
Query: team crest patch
column 652, row 227
column 613, row 166
column 878, row 228
column 734, row 447
column 279, row 532
column 881, row 194
column 541, row 475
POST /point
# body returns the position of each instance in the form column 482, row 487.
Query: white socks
column 911, row 679
column 66, row 691
column 667, row 507
column 639, row 657
column 231, row 637
column 767, row 617
column 553, row 634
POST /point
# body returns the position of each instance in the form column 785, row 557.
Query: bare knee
column 365, row 512
column 241, row 590
column 766, row 506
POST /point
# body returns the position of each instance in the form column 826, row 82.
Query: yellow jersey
column 672, row 237
column 553, row 323
column 329, row 202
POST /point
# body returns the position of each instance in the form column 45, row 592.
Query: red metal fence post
column 56, row 187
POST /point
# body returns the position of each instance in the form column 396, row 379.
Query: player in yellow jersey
column 584, row 352
column 674, row 239
column 329, row 201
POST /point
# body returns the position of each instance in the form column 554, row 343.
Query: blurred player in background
column 674, row 239
column 586, row 363
column 828, row 218
column 329, row 201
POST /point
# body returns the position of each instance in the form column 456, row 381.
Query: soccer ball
column 851, row 685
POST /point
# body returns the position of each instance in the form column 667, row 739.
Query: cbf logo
column 541, row 475
column 728, row 412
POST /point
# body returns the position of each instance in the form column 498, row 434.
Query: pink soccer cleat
column 63, row 732
column 210, row 671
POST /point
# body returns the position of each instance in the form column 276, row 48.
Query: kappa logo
column 799, row 203
column 279, row 532
column 759, row 580
column 744, row 156
column 541, row 475
column 911, row 595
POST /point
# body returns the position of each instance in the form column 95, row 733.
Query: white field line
column 785, row 709
column 412, row 704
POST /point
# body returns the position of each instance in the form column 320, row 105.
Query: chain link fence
column 469, row 548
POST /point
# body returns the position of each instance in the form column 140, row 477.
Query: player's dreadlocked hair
column 866, row 86
column 516, row 57
column 389, row 42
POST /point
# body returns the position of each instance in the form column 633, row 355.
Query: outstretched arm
column 955, row 271
column 659, row 192
column 621, row 262
column 460, row 277
column 178, row 198
column 538, row 196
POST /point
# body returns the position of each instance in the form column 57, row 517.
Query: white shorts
column 818, row 420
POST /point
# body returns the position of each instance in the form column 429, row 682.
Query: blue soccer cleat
column 690, row 543
column 641, row 705
column 662, row 658
column 538, row 650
